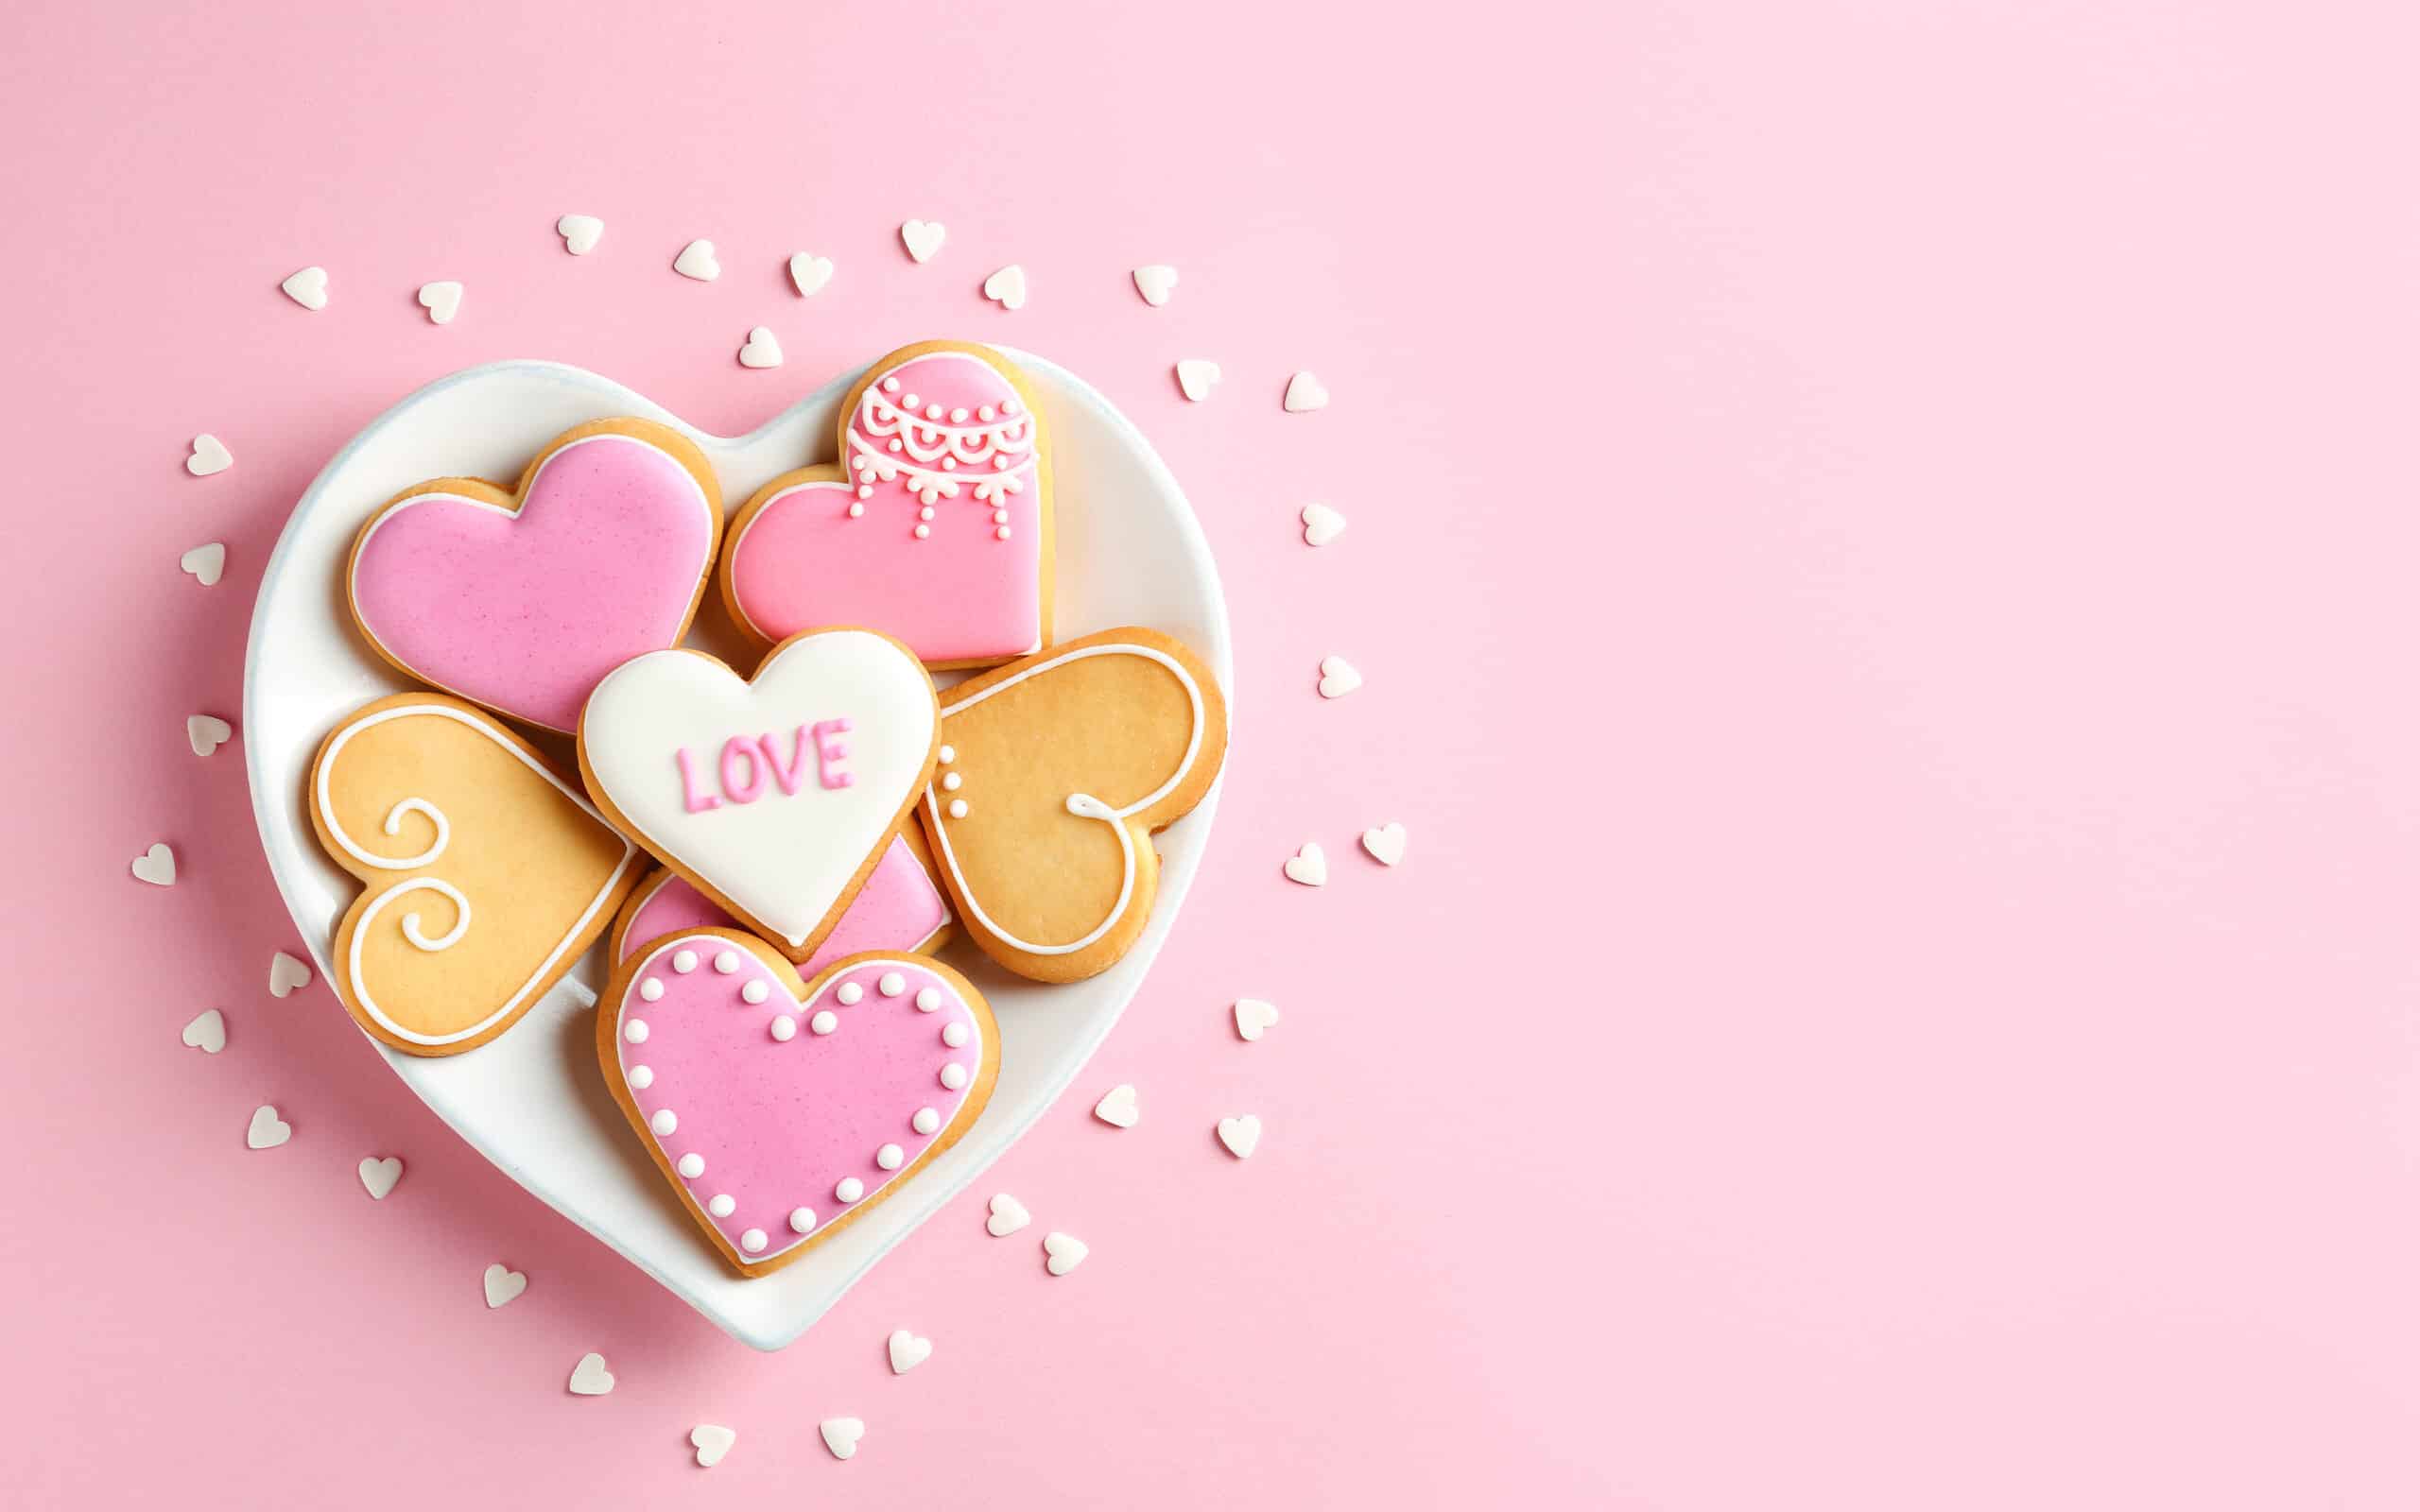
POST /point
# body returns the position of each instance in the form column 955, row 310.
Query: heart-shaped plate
column 1129, row 552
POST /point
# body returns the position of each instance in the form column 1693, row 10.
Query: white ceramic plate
column 1129, row 552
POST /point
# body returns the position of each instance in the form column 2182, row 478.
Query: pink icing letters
column 743, row 792
column 762, row 759
column 829, row 752
column 695, row 802
column 898, row 909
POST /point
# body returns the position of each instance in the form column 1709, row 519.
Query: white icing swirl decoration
column 935, row 451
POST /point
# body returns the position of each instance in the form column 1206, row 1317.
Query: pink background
column 1882, row 551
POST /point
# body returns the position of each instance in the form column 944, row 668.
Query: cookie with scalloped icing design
column 1053, row 774
column 778, row 1108
column 486, row 872
column 935, row 526
column 899, row 908
column 776, row 797
column 522, row 600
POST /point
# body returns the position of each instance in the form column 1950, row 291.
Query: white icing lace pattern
column 1004, row 446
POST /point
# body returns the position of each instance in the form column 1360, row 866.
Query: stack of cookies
column 775, row 850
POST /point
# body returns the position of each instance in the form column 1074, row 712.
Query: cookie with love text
column 486, row 872
column 934, row 527
column 521, row 600
column 777, row 796
column 1053, row 773
column 780, row 1108
column 899, row 908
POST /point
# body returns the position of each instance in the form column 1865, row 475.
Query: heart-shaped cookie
column 935, row 527
column 488, row 874
column 1053, row 773
column 899, row 908
column 776, row 797
column 522, row 600
column 781, row 1111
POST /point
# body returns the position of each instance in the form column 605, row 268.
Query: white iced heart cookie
column 1241, row 1136
column 307, row 288
column 1302, row 393
column 1119, row 1109
column 1155, row 283
column 760, row 350
column 210, row 454
column 207, row 733
column 1309, row 865
column 205, row 562
column 286, row 974
column 840, row 1434
column 579, row 233
column 1338, row 677
column 1320, row 524
column 267, row 1131
column 207, row 1033
column 712, row 1441
column 1386, row 842
column 1006, row 288
column 1008, row 1216
column 157, row 866
column 809, row 273
column 441, row 299
column 501, row 1285
column 908, row 1351
column 590, row 1378
column 1254, row 1016
column 697, row 261
column 1197, row 376
column 379, row 1176
column 777, row 796
column 923, row 238
column 1062, row 1253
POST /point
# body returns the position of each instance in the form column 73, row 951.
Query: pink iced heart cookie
column 935, row 527
column 899, row 908
column 778, row 1110
column 522, row 601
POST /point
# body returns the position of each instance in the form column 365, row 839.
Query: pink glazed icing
column 898, row 909
column 526, row 611
column 792, row 1125
column 970, row 587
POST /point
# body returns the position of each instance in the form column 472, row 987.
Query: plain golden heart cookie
column 1053, row 773
column 487, row 873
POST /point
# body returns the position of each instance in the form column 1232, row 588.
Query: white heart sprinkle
column 923, row 238
column 1309, row 865
column 1302, row 393
column 1241, row 1136
column 210, row 454
column 502, row 1285
column 697, row 261
column 809, row 273
column 1320, row 524
column 1337, row 677
column 1386, row 842
column 590, row 1378
column 761, row 350
column 286, row 974
column 379, row 1176
column 208, row 1032
column 207, row 733
column 712, row 1441
column 840, row 1434
column 1119, row 1109
column 1197, row 376
column 205, row 562
column 267, row 1131
column 441, row 299
column 307, row 288
column 1254, row 1016
column 908, row 1351
column 1155, row 283
column 579, row 233
column 1006, row 288
column 1065, row 1252
column 1008, row 1216
column 157, row 866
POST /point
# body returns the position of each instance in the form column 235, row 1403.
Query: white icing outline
column 666, row 875
column 410, row 924
column 1091, row 808
column 521, row 501
column 887, row 962
column 970, row 445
